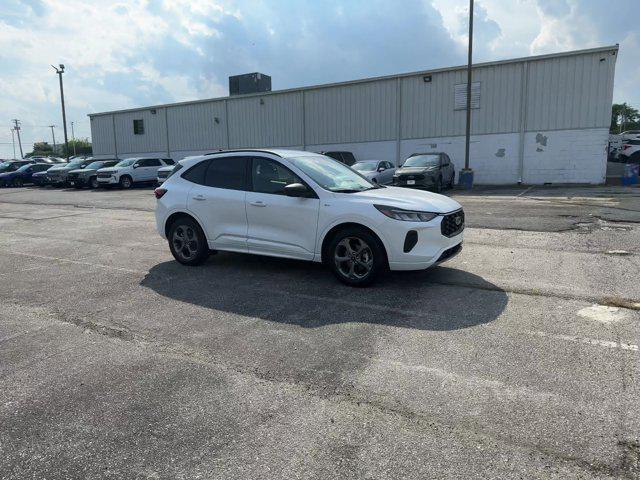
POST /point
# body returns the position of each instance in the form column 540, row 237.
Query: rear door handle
column 199, row 197
column 258, row 203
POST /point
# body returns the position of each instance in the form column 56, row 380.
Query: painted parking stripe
column 589, row 341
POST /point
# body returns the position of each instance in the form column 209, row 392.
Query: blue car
column 22, row 175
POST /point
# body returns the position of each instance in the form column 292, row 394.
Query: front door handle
column 258, row 203
column 199, row 197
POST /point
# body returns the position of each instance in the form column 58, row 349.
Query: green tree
column 83, row 147
column 40, row 149
column 624, row 117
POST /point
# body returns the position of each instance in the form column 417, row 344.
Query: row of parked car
column 433, row 170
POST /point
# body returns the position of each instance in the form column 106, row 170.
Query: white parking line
column 589, row 341
column 78, row 262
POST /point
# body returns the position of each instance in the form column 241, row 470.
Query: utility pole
column 73, row 139
column 466, row 176
column 17, row 129
column 60, row 71
column 53, row 134
column 13, row 141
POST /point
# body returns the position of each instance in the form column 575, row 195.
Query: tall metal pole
column 17, row 129
column 13, row 140
column 54, row 138
column 73, row 139
column 470, row 60
column 60, row 71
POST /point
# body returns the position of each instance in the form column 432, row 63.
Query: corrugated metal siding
column 351, row 113
column 193, row 126
column 277, row 122
column 570, row 92
column 428, row 109
column 102, row 135
column 154, row 138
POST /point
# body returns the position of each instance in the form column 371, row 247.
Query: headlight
column 406, row 215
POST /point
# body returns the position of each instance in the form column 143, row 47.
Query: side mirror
column 297, row 190
column 381, row 169
column 135, row 165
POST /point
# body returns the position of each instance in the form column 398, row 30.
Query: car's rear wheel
column 187, row 242
column 93, row 182
column 356, row 257
column 17, row 182
column 125, row 181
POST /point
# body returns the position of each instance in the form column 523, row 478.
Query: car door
column 448, row 172
column 217, row 199
column 386, row 176
column 277, row 224
column 147, row 169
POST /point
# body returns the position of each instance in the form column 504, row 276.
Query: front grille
column 104, row 175
column 452, row 224
column 72, row 176
column 404, row 178
column 450, row 252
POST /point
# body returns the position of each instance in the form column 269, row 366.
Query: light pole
column 73, row 139
column 17, row 129
column 60, row 71
column 13, row 141
column 53, row 134
column 466, row 175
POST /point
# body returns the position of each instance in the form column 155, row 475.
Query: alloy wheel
column 185, row 242
column 353, row 258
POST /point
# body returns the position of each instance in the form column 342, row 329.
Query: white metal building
column 535, row 119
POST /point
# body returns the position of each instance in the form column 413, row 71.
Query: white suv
column 132, row 170
column 303, row 205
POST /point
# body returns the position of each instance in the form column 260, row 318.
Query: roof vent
column 249, row 83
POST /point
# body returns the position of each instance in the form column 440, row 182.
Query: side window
column 229, row 172
column 196, row 173
column 268, row 176
column 348, row 158
column 389, row 165
column 169, row 161
column 42, row 168
column 153, row 162
column 138, row 127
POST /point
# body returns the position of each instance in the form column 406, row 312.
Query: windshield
column 367, row 166
column 24, row 168
column 422, row 161
column 95, row 165
column 74, row 164
column 332, row 175
column 127, row 162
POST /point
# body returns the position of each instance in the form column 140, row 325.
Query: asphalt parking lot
column 517, row 359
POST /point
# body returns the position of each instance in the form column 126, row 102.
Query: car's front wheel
column 17, row 182
column 356, row 257
column 93, row 182
column 187, row 242
column 125, row 181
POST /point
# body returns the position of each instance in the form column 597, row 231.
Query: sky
column 135, row 53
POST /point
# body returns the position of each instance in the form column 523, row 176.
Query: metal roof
column 609, row 48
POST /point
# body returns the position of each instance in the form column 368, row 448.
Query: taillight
column 159, row 192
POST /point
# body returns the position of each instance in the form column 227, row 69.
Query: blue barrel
column 465, row 178
column 630, row 175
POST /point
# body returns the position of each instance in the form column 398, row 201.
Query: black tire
column 187, row 242
column 17, row 182
column 125, row 181
column 451, row 181
column 363, row 262
column 93, row 183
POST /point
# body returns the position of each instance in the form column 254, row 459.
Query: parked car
column 13, row 165
column 40, row 178
column 307, row 206
column 52, row 160
column 426, row 170
column 23, row 175
column 378, row 171
column 132, row 170
column 88, row 176
column 630, row 135
column 163, row 173
column 57, row 175
column 345, row 157
column 630, row 152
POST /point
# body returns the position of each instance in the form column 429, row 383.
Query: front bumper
column 111, row 180
column 426, row 182
column 430, row 248
column 78, row 181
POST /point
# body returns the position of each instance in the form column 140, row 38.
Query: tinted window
column 41, row 168
column 138, row 127
column 227, row 172
column 633, row 142
column 150, row 162
column 169, row 161
column 348, row 158
column 268, row 176
column 196, row 173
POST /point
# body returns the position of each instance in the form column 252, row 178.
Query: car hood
column 409, row 199
column 82, row 170
column 107, row 170
column 59, row 169
column 414, row 170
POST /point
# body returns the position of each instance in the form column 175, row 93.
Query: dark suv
column 432, row 170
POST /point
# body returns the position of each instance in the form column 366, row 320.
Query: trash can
column 630, row 175
column 465, row 178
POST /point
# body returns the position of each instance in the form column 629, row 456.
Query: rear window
column 169, row 161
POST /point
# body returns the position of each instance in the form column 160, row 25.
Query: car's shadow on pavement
column 307, row 294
